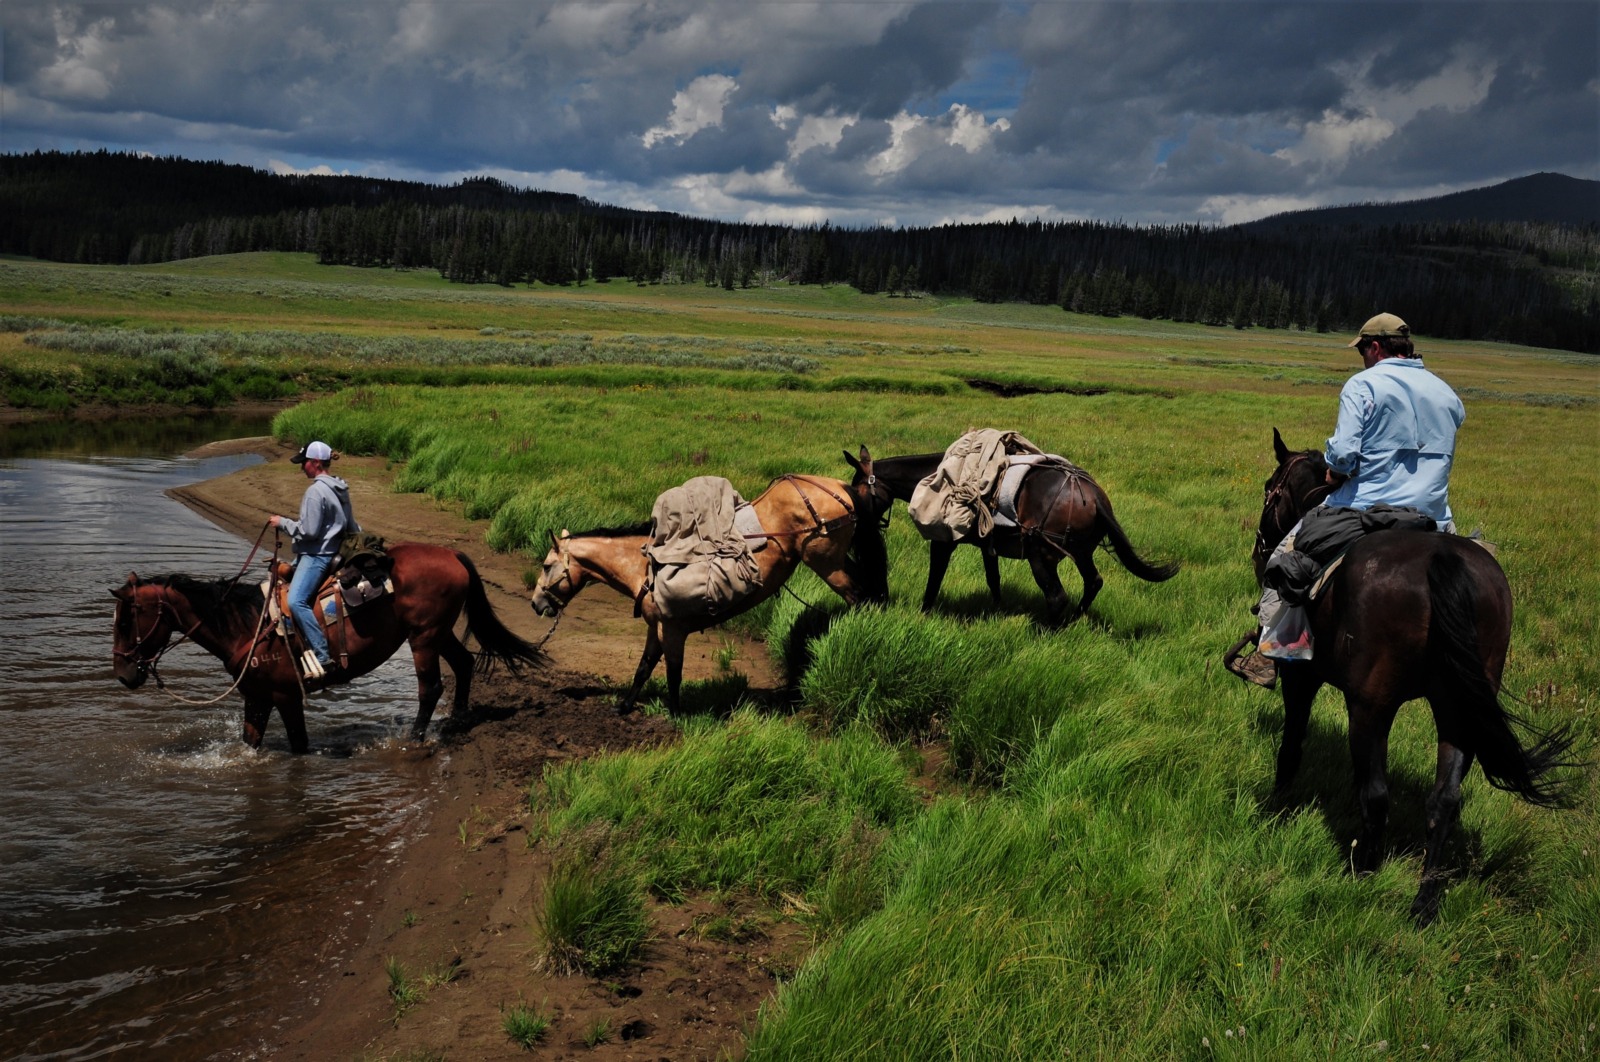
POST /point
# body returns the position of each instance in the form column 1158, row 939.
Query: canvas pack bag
column 700, row 561
column 953, row 503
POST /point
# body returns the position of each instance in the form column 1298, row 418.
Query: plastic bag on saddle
column 953, row 503
column 700, row 561
column 1288, row 637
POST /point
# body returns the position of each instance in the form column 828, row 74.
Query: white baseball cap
column 316, row 451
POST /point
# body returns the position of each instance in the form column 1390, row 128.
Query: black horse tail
column 1152, row 573
column 867, row 560
column 496, row 642
column 1486, row 729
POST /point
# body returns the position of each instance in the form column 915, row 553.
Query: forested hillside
column 1507, row 275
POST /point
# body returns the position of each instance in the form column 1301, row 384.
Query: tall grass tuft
column 755, row 803
column 593, row 919
column 525, row 1025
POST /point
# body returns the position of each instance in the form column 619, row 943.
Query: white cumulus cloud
column 697, row 107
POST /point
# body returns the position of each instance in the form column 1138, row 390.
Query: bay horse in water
column 432, row 586
column 1408, row 614
column 820, row 522
column 1062, row 512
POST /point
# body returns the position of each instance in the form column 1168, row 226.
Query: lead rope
column 272, row 578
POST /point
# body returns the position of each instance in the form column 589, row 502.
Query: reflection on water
column 125, row 436
column 158, row 880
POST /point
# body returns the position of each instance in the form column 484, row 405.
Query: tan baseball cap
column 1383, row 325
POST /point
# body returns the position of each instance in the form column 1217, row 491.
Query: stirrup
column 1251, row 666
column 311, row 666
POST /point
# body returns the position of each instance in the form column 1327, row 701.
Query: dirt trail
column 458, row 910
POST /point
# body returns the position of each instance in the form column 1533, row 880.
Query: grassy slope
column 1111, row 883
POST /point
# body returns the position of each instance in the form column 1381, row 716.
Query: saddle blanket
column 1018, row 469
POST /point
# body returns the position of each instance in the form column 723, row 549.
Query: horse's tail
column 496, row 642
column 1487, row 730
column 1153, row 573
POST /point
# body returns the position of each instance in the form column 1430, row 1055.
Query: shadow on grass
column 799, row 645
column 1325, row 782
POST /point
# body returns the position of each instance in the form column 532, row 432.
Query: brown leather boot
column 1244, row 660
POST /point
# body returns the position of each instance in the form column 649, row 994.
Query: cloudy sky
column 857, row 112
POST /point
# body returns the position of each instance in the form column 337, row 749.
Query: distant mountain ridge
column 1515, row 262
column 1539, row 198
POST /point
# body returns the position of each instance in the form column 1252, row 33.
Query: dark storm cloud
column 855, row 111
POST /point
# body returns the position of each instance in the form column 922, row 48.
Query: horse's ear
column 850, row 460
column 1280, row 450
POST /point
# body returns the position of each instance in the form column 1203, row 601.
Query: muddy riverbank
column 458, row 906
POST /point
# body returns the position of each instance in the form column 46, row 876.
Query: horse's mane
column 213, row 598
column 620, row 531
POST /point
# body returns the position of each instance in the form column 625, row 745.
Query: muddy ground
column 459, row 913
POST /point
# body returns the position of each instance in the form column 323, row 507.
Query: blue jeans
column 308, row 573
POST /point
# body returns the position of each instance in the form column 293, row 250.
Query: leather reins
column 148, row 663
column 151, row 663
column 1278, row 487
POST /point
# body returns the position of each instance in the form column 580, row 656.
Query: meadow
column 1099, row 870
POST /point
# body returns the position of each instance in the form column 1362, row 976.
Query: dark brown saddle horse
column 1062, row 512
column 432, row 587
column 1408, row 614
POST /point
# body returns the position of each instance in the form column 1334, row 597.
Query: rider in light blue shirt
column 1396, row 437
column 1393, row 444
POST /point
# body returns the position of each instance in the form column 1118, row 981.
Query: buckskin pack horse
column 1062, row 513
column 1408, row 614
column 432, row 586
column 813, row 520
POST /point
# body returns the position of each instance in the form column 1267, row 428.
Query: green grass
column 756, row 803
column 1104, row 874
column 403, row 991
column 592, row 918
column 524, row 1025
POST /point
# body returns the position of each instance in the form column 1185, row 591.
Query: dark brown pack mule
column 1408, row 614
column 432, row 587
column 1061, row 512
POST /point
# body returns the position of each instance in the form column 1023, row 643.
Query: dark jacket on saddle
column 1325, row 534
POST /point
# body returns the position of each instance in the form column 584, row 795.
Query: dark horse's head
column 150, row 611
column 143, row 626
column 1295, row 486
column 868, row 562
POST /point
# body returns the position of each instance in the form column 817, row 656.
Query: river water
column 164, row 890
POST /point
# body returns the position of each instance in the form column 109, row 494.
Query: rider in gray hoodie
column 325, row 518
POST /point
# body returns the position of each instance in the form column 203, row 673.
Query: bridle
column 147, row 662
column 564, row 555
column 887, row 500
column 1278, row 487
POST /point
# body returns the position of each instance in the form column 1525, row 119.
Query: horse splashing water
column 432, row 587
column 1408, row 614
column 823, row 523
column 1061, row 512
